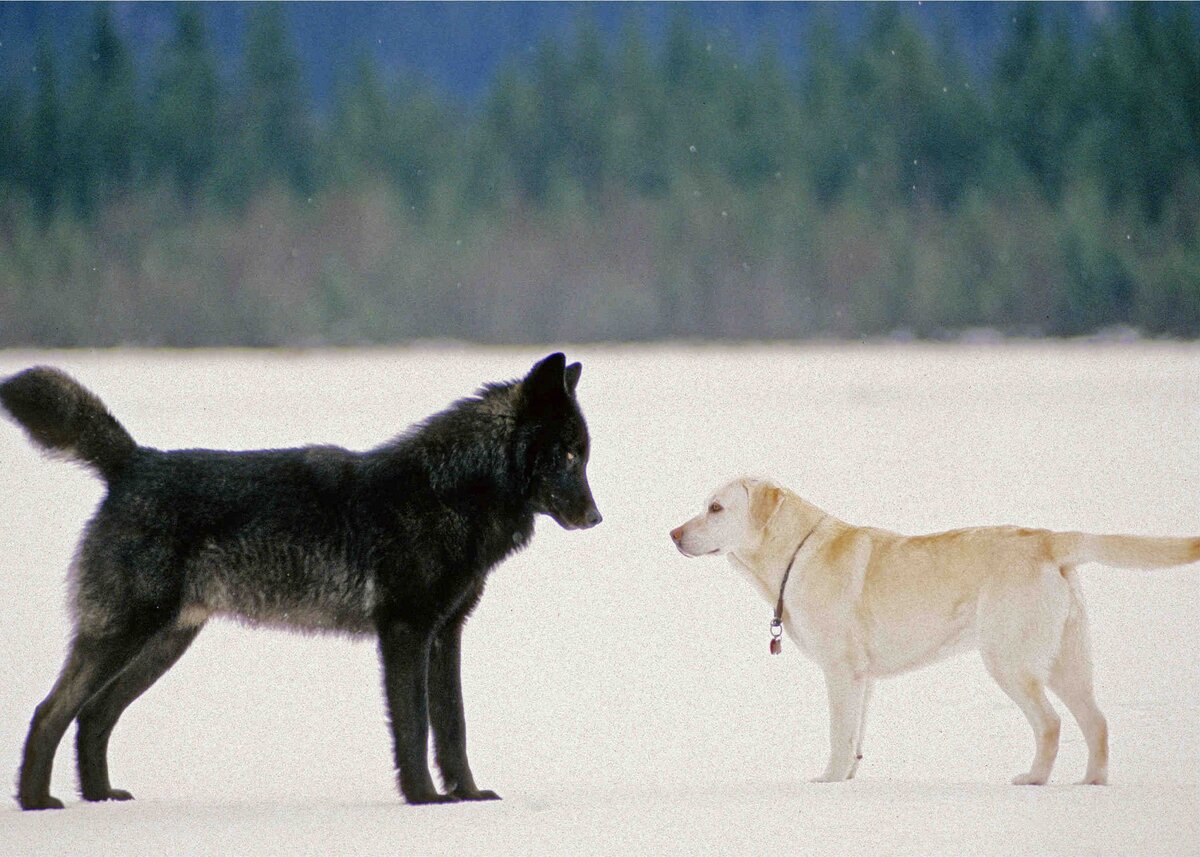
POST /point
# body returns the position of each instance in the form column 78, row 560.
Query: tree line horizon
column 608, row 190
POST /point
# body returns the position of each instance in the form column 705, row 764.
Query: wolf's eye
column 570, row 456
column 716, row 507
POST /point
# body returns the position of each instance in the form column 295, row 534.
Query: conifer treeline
column 608, row 189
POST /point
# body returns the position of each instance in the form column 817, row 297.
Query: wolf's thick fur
column 66, row 420
column 866, row 603
column 396, row 542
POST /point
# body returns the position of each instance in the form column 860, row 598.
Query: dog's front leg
column 847, row 695
column 404, row 651
column 447, row 717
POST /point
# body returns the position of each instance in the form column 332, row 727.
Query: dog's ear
column 572, row 376
column 765, row 500
column 547, row 380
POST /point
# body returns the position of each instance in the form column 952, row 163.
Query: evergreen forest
column 608, row 187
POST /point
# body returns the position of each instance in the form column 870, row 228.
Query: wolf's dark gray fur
column 395, row 542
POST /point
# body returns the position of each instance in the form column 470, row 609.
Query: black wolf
column 396, row 542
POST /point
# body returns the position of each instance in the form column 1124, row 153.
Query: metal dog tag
column 776, row 633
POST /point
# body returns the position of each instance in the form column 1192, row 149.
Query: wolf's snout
column 592, row 517
column 677, row 535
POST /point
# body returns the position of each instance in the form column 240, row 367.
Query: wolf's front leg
column 405, row 654
column 447, row 717
column 847, row 695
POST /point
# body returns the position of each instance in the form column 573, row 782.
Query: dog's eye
column 716, row 507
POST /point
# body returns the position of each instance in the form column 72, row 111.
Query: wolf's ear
column 765, row 500
column 547, row 379
column 572, row 376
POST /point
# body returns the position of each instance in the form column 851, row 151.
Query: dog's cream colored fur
column 865, row 603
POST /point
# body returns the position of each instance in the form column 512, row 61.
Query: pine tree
column 279, row 138
column 363, row 122
column 760, row 133
column 103, row 122
column 639, row 146
column 45, row 168
column 13, row 138
column 918, row 120
column 693, row 80
column 510, row 144
column 587, row 110
column 184, row 105
column 1036, row 98
column 682, row 66
column 1143, row 108
column 402, row 139
column 551, row 93
column 831, row 146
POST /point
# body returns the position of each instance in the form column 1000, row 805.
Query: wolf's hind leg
column 100, row 713
column 91, row 663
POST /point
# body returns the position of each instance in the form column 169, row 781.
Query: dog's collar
column 777, row 622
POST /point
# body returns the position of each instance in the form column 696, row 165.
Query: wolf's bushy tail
column 1125, row 551
column 65, row 419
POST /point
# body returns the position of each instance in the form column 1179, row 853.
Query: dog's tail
column 1124, row 551
column 65, row 419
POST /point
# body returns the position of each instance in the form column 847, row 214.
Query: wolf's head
column 554, row 444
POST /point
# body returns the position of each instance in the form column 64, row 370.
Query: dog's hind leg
column 100, row 713
column 1071, row 681
column 1028, row 692
column 90, row 665
column 868, row 689
column 1021, row 621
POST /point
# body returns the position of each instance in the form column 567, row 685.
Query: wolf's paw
column 1030, row 779
column 476, row 794
column 40, row 802
column 110, row 794
column 431, row 797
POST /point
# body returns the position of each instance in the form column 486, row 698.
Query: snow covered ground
column 619, row 696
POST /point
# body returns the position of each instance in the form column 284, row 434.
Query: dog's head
column 734, row 519
column 555, row 445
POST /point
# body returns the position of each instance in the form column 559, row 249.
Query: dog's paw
column 829, row 778
column 1029, row 779
column 854, row 767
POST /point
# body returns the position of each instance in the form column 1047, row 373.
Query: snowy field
column 619, row 696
